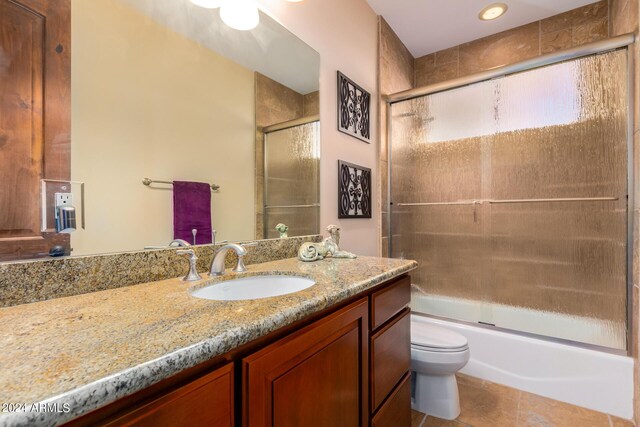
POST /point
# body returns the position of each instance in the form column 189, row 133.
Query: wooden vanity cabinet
column 397, row 410
column 390, row 347
column 205, row 402
column 315, row 377
column 345, row 366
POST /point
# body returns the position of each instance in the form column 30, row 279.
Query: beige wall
column 147, row 102
column 344, row 33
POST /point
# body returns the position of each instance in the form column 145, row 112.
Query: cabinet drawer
column 207, row 401
column 396, row 411
column 387, row 302
column 390, row 357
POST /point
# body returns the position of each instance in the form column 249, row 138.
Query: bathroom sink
column 253, row 287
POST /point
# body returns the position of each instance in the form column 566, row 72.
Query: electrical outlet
column 63, row 199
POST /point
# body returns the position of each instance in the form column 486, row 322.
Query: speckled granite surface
column 38, row 280
column 89, row 350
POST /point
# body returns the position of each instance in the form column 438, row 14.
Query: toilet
column 437, row 354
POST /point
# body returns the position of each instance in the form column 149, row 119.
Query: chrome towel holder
column 148, row 182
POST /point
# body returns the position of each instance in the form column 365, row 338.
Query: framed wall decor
column 354, row 109
column 354, row 191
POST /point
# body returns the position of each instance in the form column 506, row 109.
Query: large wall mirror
column 163, row 90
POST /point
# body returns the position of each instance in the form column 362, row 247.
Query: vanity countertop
column 83, row 352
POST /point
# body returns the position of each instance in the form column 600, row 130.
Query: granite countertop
column 82, row 352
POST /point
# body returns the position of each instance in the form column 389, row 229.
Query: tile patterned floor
column 487, row 404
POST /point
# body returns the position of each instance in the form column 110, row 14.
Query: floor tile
column 487, row 404
column 438, row 422
column 619, row 422
column 540, row 411
column 417, row 418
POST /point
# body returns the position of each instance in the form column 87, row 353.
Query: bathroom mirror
column 165, row 90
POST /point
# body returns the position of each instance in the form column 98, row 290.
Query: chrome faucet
column 217, row 265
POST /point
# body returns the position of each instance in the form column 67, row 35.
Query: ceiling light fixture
column 240, row 14
column 493, row 11
column 208, row 4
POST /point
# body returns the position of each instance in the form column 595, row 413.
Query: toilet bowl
column 436, row 355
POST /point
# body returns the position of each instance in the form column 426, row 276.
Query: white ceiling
column 269, row 49
column 427, row 26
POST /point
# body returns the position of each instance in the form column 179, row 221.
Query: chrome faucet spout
column 217, row 265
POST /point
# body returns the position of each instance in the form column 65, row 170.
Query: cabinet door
column 316, row 377
column 205, row 402
column 35, row 119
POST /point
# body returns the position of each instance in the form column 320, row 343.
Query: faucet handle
column 240, row 267
column 193, row 275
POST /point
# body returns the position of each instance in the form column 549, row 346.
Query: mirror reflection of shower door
column 292, row 180
column 544, row 155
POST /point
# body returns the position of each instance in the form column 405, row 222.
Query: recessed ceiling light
column 209, row 4
column 493, row 11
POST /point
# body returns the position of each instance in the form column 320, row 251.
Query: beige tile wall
column 572, row 28
column 624, row 19
column 395, row 74
column 311, row 104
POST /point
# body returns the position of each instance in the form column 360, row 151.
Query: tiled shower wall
column 572, row 28
column 398, row 71
column 395, row 74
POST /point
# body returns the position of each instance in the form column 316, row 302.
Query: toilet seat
column 427, row 337
column 439, row 349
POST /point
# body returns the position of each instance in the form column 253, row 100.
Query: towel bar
column 148, row 182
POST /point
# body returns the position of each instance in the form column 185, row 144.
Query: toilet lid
column 436, row 337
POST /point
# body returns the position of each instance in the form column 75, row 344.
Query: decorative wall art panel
column 354, row 192
column 354, row 109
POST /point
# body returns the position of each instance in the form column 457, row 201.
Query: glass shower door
column 292, row 180
column 558, row 167
column 437, row 181
column 512, row 196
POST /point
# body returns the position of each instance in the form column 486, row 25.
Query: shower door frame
column 614, row 43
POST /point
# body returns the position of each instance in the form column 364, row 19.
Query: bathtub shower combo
column 513, row 190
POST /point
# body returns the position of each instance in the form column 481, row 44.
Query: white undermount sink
column 253, row 287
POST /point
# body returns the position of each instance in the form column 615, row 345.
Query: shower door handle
column 505, row 201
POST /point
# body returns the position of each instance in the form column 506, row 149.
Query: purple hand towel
column 192, row 209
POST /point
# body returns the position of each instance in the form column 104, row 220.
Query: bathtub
column 589, row 378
